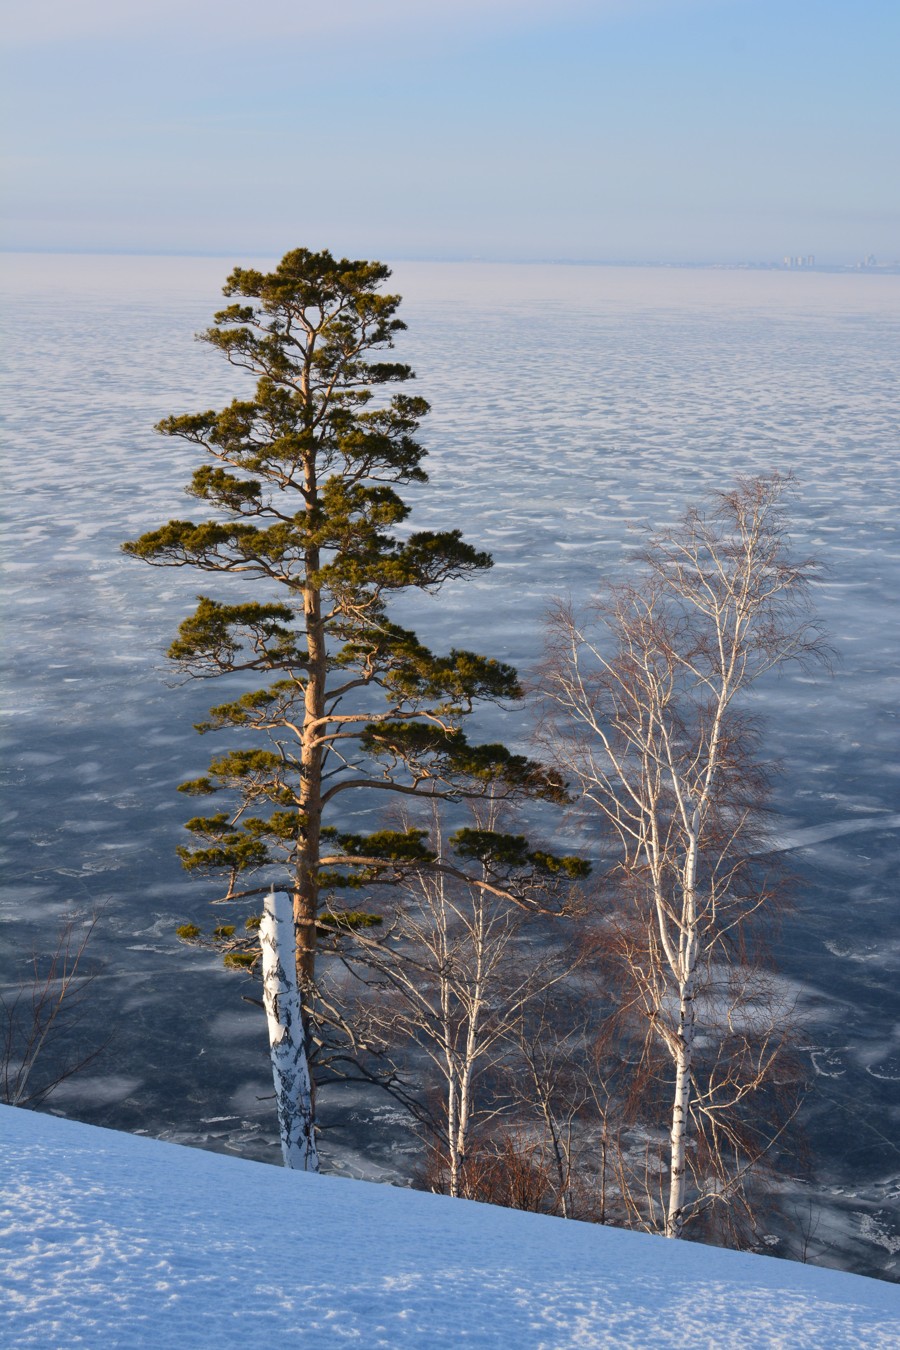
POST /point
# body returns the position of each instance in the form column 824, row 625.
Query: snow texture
column 110, row 1240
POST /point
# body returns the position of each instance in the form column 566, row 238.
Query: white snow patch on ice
column 820, row 834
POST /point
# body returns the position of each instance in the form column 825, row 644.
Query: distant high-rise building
column 811, row 260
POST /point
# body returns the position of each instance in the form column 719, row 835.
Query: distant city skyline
column 669, row 131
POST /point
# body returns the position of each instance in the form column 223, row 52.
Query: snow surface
column 112, row 1240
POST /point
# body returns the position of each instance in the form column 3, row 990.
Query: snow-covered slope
column 110, row 1240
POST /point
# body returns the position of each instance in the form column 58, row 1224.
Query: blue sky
column 679, row 130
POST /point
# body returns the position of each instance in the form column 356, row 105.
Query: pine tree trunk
column 306, row 891
column 287, row 1042
column 306, row 895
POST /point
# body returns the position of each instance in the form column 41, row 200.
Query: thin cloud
column 51, row 21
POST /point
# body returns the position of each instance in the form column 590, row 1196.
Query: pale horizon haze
column 620, row 130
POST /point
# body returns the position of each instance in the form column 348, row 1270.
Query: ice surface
column 569, row 405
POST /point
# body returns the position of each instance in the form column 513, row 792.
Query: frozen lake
column 570, row 404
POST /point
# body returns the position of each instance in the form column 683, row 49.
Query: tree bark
column 684, row 1041
column 680, row 1108
column 287, row 1041
column 306, row 894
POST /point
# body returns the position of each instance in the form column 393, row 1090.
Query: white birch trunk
column 290, row 1070
column 684, row 1045
column 680, row 1109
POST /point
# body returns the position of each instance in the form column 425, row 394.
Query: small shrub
column 351, row 918
column 240, row 960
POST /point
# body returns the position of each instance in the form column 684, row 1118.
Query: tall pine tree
column 302, row 481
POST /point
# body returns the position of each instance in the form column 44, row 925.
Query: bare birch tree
column 450, row 980
column 548, row 1085
column 646, row 712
